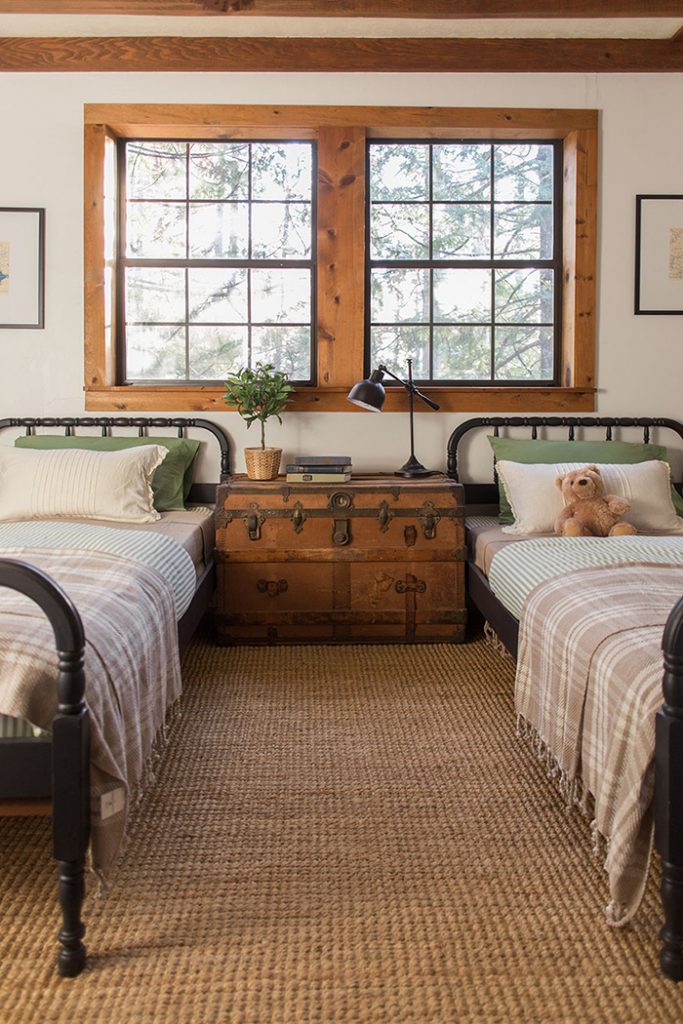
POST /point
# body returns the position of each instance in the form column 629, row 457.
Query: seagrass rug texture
column 348, row 834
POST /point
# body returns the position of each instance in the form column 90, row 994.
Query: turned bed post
column 70, row 750
column 669, row 795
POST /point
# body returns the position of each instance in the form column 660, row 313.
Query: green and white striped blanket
column 161, row 553
column 520, row 567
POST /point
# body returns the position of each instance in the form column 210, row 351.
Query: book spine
column 308, row 467
column 318, row 478
column 321, row 460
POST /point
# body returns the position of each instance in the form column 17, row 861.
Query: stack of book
column 319, row 469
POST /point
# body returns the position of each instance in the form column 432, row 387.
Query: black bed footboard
column 70, row 754
column 669, row 795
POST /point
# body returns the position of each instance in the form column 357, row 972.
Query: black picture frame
column 656, row 292
column 22, row 228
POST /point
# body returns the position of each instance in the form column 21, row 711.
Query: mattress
column 193, row 529
column 485, row 538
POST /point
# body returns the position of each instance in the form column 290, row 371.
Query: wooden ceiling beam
column 447, row 9
column 155, row 8
column 451, row 9
column 176, row 53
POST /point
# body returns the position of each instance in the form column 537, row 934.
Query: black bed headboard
column 199, row 492
column 487, row 493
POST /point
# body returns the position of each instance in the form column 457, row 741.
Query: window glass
column 464, row 260
column 216, row 258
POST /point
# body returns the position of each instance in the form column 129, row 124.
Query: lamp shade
column 369, row 394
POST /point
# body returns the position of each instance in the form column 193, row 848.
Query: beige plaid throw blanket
column 131, row 665
column 588, row 686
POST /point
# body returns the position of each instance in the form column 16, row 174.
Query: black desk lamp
column 370, row 394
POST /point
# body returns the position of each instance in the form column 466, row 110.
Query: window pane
column 287, row 348
column 206, row 201
column 218, row 295
column 524, row 353
column 215, row 351
column 400, row 295
column 462, row 353
column 462, row 296
column 155, row 230
column 219, row 170
column 219, row 231
column 524, row 296
column 462, row 220
column 281, row 170
column 281, row 231
column 155, row 294
column 462, row 172
column 524, row 172
column 393, row 346
column 524, row 232
column 280, row 296
column 155, row 353
column 156, row 170
column 462, row 232
column 399, row 173
column 399, row 232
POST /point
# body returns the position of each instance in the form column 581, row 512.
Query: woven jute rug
column 348, row 834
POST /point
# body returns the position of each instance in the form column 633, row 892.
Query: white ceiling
column 141, row 25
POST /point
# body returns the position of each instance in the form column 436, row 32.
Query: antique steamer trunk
column 377, row 559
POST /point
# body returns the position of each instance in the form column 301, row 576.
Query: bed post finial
column 668, row 787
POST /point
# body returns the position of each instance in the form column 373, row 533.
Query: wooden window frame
column 340, row 134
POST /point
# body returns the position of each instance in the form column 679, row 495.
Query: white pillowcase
column 536, row 501
column 76, row 482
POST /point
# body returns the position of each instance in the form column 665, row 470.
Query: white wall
column 640, row 359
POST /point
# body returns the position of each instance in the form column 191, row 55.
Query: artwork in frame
column 659, row 255
column 22, row 267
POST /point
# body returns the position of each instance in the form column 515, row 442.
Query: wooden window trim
column 340, row 133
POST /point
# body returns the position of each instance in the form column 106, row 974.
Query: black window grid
column 187, row 263
column 430, row 264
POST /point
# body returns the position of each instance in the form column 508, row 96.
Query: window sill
column 171, row 398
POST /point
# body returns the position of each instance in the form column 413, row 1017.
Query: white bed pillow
column 536, row 501
column 76, row 482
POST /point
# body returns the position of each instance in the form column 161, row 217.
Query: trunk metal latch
column 429, row 517
column 340, row 532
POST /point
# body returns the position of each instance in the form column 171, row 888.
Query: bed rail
column 200, row 492
column 486, row 493
column 70, row 750
column 669, row 795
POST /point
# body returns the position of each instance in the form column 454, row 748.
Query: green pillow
column 172, row 479
column 529, row 451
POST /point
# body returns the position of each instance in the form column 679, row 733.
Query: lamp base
column 413, row 468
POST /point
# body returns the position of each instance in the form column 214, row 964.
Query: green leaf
column 258, row 393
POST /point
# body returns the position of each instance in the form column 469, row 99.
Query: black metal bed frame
column 669, row 725
column 59, row 768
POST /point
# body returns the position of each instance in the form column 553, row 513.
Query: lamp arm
column 385, row 369
column 409, row 387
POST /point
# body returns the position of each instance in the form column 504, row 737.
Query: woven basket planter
column 262, row 463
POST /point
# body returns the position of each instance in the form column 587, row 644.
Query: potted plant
column 259, row 394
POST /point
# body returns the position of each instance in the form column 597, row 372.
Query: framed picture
column 659, row 255
column 22, row 267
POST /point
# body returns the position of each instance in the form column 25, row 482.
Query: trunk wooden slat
column 377, row 559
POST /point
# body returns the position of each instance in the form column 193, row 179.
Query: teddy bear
column 588, row 511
